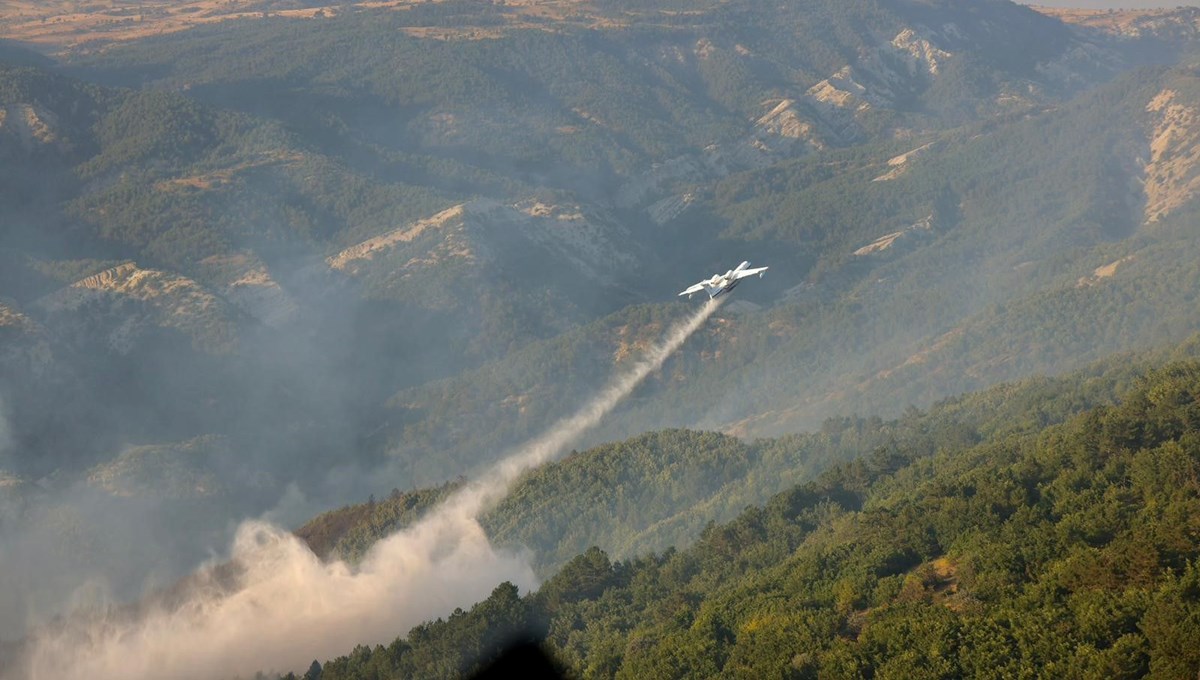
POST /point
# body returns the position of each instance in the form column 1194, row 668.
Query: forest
column 260, row 270
column 1040, row 528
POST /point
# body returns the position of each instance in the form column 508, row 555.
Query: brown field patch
column 57, row 26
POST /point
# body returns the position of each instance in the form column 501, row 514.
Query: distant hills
column 375, row 248
column 263, row 259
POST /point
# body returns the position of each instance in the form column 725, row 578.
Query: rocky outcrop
column 1172, row 175
column 671, row 207
column 245, row 280
column 880, row 73
column 13, row 320
column 918, row 52
column 476, row 231
column 169, row 301
column 888, row 241
column 350, row 259
column 30, row 125
column 23, row 341
column 781, row 132
column 838, row 100
column 900, row 164
column 784, row 121
column 1102, row 272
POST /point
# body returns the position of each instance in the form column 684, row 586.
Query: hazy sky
column 1112, row 4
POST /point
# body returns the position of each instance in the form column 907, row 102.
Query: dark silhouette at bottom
column 525, row 660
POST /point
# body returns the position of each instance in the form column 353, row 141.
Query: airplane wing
column 750, row 272
column 694, row 289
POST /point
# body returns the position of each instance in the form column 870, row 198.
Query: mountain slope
column 1010, row 259
column 661, row 489
column 378, row 249
column 1057, row 549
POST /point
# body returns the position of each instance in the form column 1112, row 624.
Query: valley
column 266, row 259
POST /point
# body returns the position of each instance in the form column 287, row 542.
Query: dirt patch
column 217, row 178
column 368, row 249
column 1103, row 272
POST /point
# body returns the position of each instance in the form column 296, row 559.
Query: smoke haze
column 276, row 606
column 5, row 434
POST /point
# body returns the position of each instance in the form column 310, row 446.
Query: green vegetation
column 278, row 142
column 985, row 285
column 349, row 531
column 1066, row 549
column 1042, row 527
column 661, row 489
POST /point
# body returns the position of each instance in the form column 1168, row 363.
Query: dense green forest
column 660, row 489
column 264, row 266
column 1001, row 537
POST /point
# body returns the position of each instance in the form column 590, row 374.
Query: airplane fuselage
column 721, row 283
column 725, row 287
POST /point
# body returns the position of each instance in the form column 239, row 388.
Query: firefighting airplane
column 721, row 283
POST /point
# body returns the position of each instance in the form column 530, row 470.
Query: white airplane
column 720, row 283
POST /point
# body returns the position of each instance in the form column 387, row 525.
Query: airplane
column 720, row 283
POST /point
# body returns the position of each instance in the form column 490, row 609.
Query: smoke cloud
column 276, row 606
column 5, row 434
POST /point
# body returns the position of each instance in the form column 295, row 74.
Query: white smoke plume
column 491, row 488
column 276, row 606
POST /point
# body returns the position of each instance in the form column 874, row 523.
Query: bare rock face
column 784, row 130
column 31, row 127
column 898, row 165
column 245, row 280
column 169, row 301
column 22, row 341
column 1103, row 272
column 474, row 233
column 827, row 113
column 889, row 241
column 671, row 207
column 784, row 121
column 13, row 320
column 918, row 52
column 353, row 258
column 1172, row 175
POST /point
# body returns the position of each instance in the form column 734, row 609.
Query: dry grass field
column 58, row 26
column 1128, row 22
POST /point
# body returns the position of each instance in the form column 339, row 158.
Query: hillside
column 1056, row 548
column 659, row 490
column 1008, row 262
column 403, row 225
column 149, row 229
column 267, row 258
